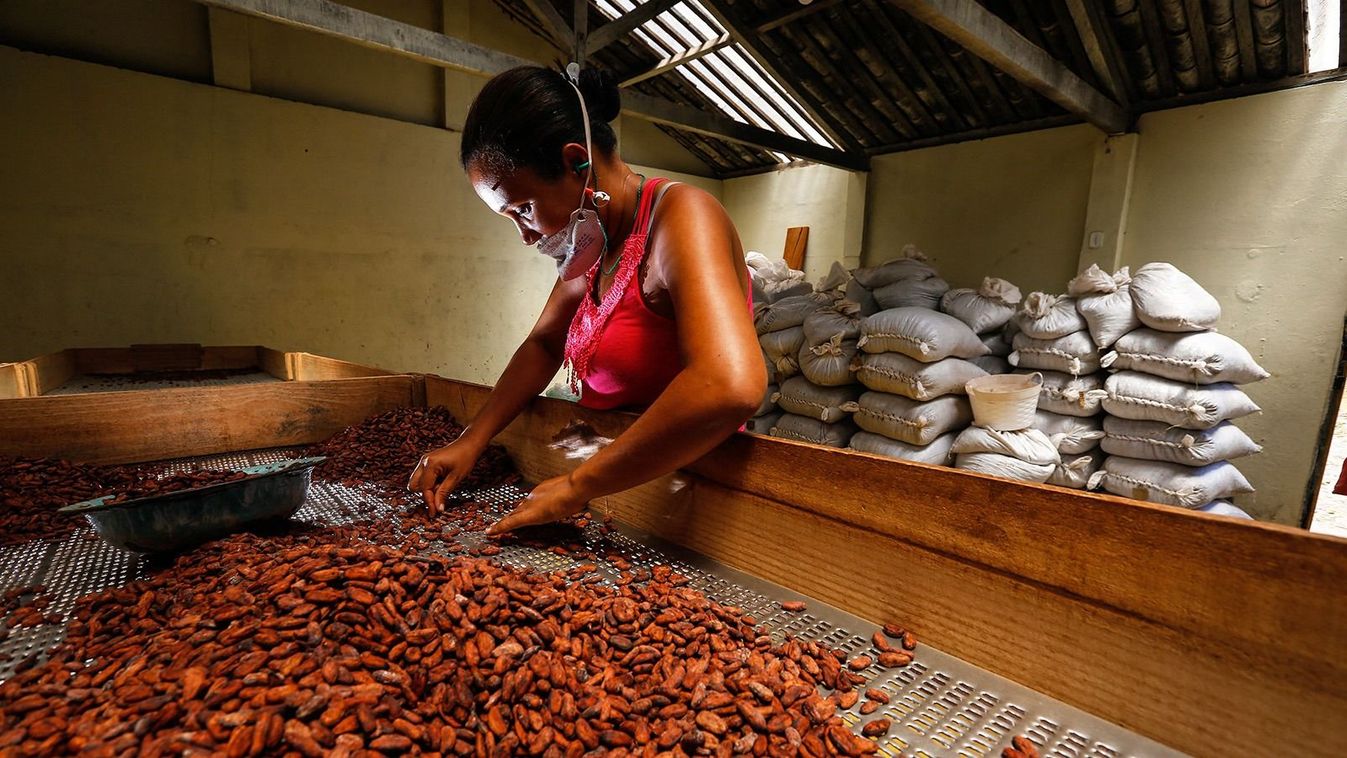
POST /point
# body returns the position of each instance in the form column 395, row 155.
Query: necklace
column 609, row 271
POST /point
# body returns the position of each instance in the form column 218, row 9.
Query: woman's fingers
column 525, row 514
column 414, row 481
column 442, row 492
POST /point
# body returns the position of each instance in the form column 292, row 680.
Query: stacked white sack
column 914, row 361
column 781, row 300
column 1170, row 403
column 810, row 403
column 986, row 310
column 773, row 279
column 1053, row 338
column 903, row 281
column 1028, row 454
column 780, row 328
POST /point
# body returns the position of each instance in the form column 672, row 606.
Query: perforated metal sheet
column 83, row 383
column 939, row 705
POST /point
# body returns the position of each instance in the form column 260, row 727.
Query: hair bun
column 599, row 88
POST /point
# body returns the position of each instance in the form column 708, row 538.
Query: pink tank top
column 619, row 352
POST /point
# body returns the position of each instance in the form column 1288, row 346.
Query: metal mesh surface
column 939, row 705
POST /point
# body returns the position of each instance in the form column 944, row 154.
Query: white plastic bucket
column 1004, row 402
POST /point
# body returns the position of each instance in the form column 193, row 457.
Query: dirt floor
column 1330, row 514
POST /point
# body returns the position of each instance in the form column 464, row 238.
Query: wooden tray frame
column 1212, row 635
column 36, row 377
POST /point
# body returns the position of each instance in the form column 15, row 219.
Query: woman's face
column 538, row 208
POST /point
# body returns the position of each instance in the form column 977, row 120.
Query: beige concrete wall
column 830, row 201
column 1249, row 196
column 1012, row 206
column 138, row 208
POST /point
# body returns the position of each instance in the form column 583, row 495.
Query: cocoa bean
column 894, row 660
column 877, row 728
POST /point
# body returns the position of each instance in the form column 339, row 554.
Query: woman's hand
column 440, row 471
column 552, row 500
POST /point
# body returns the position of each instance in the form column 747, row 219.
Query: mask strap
column 572, row 77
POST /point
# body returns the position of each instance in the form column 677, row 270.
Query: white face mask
column 577, row 247
column 582, row 243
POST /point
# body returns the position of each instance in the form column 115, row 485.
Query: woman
column 651, row 309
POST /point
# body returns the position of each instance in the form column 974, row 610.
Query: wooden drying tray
column 1212, row 635
column 45, row 373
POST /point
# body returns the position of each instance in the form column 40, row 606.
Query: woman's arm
column 722, row 381
column 533, row 365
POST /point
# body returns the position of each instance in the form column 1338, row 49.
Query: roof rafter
column 671, row 62
column 552, row 20
column 748, row 40
column 988, row 37
column 620, row 27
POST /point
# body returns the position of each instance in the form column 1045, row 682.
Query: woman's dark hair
column 524, row 116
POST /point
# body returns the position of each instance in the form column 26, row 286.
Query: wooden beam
column 552, row 21
column 674, row 61
column 1297, row 40
column 581, row 30
column 1248, row 66
column 795, row 15
column 627, row 23
column 988, row 37
column 983, row 132
column 1092, row 28
column 1197, row 32
column 369, row 30
column 685, row 117
column 748, row 40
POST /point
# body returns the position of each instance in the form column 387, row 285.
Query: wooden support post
column 1110, row 192
column 230, row 50
column 993, row 40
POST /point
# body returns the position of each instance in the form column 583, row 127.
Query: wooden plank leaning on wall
column 1201, row 632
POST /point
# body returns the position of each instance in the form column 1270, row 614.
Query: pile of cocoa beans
column 31, row 489
column 113, row 381
column 326, row 643
column 167, row 483
column 382, row 451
